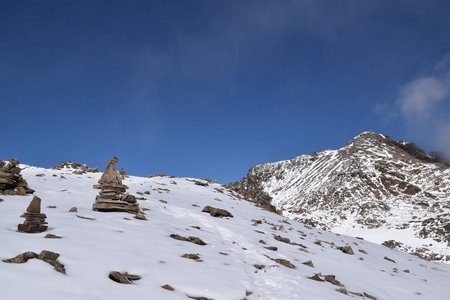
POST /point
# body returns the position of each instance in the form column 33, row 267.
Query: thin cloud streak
column 423, row 105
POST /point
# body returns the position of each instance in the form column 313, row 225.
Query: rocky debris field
column 199, row 241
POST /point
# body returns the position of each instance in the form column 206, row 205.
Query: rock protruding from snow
column 113, row 196
column 77, row 168
column 11, row 181
column 34, row 219
column 48, row 256
column 123, row 278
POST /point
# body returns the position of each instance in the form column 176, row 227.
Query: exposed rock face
column 113, row 196
column 371, row 182
column 34, row 219
column 11, row 182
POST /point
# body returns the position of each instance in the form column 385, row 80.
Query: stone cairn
column 34, row 219
column 113, row 196
column 11, row 182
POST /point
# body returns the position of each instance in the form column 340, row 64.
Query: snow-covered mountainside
column 373, row 187
column 181, row 252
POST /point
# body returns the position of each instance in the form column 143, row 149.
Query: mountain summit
column 384, row 190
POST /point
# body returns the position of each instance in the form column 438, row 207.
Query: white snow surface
column 90, row 249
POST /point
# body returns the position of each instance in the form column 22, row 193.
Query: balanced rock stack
column 11, row 182
column 34, row 220
column 113, row 196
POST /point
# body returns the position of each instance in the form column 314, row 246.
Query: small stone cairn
column 113, row 196
column 34, row 219
column 11, row 182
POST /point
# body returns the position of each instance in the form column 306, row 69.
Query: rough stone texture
column 112, row 195
column 346, row 250
column 217, row 212
column 123, row 278
column 34, row 219
column 191, row 239
column 21, row 258
column 11, row 182
column 168, row 287
column 48, row 256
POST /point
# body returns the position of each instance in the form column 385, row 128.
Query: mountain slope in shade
column 372, row 187
column 253, row 255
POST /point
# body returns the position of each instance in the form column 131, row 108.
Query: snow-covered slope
column 234, row 263
column 372, row 187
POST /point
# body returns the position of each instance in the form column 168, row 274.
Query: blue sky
column 210, row 88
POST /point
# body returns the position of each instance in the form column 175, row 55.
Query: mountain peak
column 372, row 183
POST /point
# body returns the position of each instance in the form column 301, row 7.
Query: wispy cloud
column 423, row 104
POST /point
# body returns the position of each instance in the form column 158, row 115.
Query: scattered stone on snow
column 271, row 248
column 282, row 239
column 283, row 262
column 316, row 277
column 369, row 296
column 342, row 290
column 196, row 182
column 86, row 218
column 259, row 267
column 332, row 279
column 191, row 239
column 217, row 212
column 198, row 298
column 193, row 256
column 389, row 259
column 309, row 263
column 52, row 236
column 34, row 219
column 346, row 250
column 45, row 255
column 21, row 258
column 140, row 216
column 73, row 209
column 168, row 287
column 123, row 278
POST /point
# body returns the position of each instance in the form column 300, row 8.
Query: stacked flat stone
column 113, row 196
column 11, row 182
column 34, row 219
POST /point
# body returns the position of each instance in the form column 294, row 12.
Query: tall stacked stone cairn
column 11, row 182
column 34, row 219
column 113, row 196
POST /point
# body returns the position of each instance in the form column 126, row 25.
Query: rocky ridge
column 372, row 184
